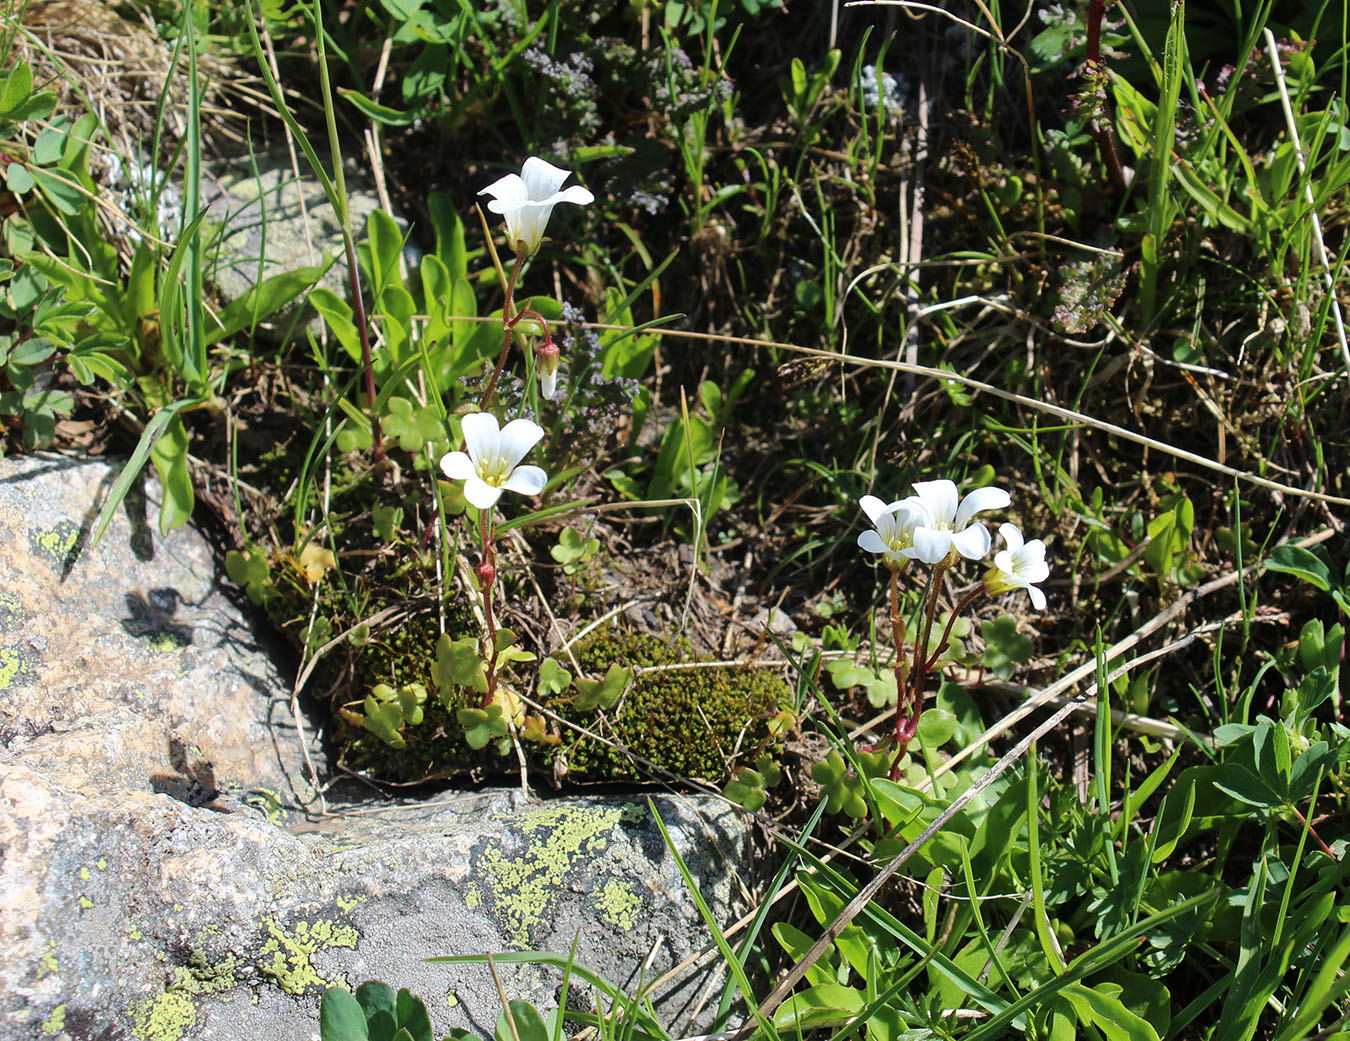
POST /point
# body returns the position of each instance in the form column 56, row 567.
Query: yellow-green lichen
column 473, row 897
column 167, row 1017
column 101, row 863
column 59, row 545
column 13, row 664
column 524, row 889
column 268, row 803
column 85, row 903
column 202, row 977
column 56, row 1022
column 286, row 955
column 134, row 932
column 618, row 903
column 166, row 641
column 11, row 612
column 346, row 903
column 48, row 963
column 84, row 874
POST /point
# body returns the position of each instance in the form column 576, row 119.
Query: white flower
column 526, row 200
column 491, row 464
column 948, row 525
column 1019, row 566
column 894, row 530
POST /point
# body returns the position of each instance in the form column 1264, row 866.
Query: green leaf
column 18, row 179
column 604, row 693
column 337, row 313
column 383, row 719
column 169, row 456
column 412, row 1016
column 936, row 727
column 824, row 1005
column 529, row 1024
column 1095, row 1007
column 1302, row 563
column 553, row 678
column 265, row 299
column 380, row 113
column 61, row 191
column 1245, row 786
column 17, row 87
column 1006, row 647
column 341, row 1017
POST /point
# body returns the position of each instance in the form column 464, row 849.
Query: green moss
column 286, row 955
column 687, row 721
column 166, row 1017
column 525, row 888
column 618, row 903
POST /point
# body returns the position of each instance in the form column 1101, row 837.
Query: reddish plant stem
column 898, row 634
column 951, row 620
column 490, row 651
column 359, row 314
column 1313, row 832
column 508, row 326
column 920, row 671
column 1101, row 128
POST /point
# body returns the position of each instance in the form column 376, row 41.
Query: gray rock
column 266, row 211
column 157, row 880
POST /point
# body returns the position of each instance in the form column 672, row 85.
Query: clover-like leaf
column 1005, row 647
column 604, row 693
column 553, row 678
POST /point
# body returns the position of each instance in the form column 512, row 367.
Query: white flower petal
column 872, row 506
column 940, row 499
column 527, row 480
column 508, row 193
column 973, row 543
column 576, row 194
column 978, row 501
column 517, row 438
column 1037, row 598
column 480, row 493
column 872, row 542
column 548, row 383
column 481, row 436
column 1033, row 569
column 541, row 179
column 930, row 545
column 1011, row 535
column 457, row 466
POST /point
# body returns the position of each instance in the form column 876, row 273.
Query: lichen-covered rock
column 157, row 879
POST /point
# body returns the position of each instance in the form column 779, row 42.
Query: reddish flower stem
column 487, row 580
column 508, row 325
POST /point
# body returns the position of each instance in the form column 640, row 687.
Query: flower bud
column 487, row 574
column 547, row 357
